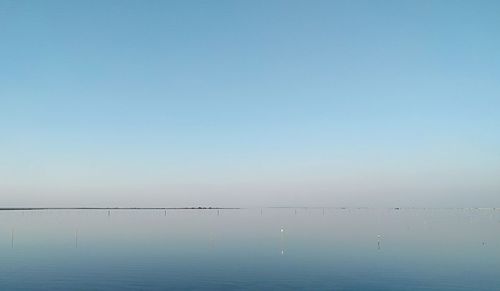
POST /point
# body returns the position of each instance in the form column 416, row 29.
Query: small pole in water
column 12, row 238
column 261, row 211
column 282, row 230
column 378, row 241
column 109, row 212
column 295, row 211
column 165, row 213
column 218, row 212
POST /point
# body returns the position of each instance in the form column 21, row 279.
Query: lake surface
column 250, row 249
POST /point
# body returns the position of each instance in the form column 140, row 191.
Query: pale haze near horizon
column 250, row 103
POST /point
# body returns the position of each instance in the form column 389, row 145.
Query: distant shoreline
column 115, row 208
column 235, row 208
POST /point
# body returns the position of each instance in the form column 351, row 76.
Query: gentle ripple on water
column 250, row 249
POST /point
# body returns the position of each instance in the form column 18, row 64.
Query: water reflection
column 282, row 240
column 318, row 251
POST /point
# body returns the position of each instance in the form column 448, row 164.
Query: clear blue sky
column 246, row 103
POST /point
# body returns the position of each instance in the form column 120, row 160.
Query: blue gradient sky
column 246, row 103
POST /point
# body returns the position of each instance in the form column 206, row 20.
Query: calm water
column 307, row 249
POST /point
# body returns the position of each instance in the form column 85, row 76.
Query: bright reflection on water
column 252, row 249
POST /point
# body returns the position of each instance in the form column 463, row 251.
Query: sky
column 250, row 103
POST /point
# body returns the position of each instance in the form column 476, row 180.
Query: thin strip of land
column 113, row 208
